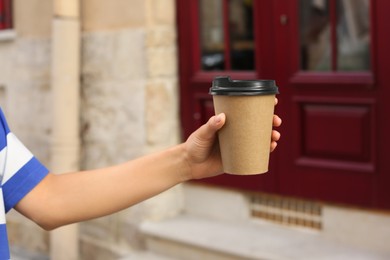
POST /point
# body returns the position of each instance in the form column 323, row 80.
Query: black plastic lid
column 225, row 86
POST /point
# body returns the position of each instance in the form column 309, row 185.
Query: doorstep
column 191, row 237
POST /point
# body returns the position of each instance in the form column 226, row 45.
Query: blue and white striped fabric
column 20, row 172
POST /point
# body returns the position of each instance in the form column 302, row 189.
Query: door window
column 226, row 35
column 334, row 35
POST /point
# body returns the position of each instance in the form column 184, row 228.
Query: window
column 5, row 14
column 335, row 35
column 226, row 35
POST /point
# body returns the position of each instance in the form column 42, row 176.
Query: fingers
column 277, row 121
column 275, row 135
column 273, row 146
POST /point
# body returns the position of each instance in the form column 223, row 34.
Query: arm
column 67, row 198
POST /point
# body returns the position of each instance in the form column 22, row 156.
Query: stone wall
column 129, row 107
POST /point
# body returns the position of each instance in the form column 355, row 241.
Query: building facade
column 143, row 72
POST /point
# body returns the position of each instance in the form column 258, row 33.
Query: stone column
column 65, row 83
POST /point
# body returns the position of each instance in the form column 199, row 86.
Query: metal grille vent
column 288, row 211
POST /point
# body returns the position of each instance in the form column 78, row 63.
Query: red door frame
column 382, row 51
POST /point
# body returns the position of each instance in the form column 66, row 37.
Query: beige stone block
column 160, row 36
column 28, row 72
column 113, row 119
column 162, row 62
column 161, row 113
column 105, row 15
column 114, row 55
column 67, row 8
column 26, row 21
column 163, row 12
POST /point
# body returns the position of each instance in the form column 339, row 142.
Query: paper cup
column 245, row 138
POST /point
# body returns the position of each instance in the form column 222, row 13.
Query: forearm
column 74, row 197
column 68, row 198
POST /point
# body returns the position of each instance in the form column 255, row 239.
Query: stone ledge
column 18, row 253
column 246, row 240
column 143, row 255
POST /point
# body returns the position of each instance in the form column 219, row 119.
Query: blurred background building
column 87, row 84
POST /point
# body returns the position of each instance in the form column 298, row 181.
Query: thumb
column 208, row 130
column 219, row 121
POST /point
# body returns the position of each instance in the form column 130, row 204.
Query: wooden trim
column 359, row 80
column 193, row 34
column 184, row 69
column 381, row 20
column 226, row 33
column 2, row 15
column 333, row 35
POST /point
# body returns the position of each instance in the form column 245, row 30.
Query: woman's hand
column 202, row 148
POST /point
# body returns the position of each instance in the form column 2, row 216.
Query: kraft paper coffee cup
column 246, row 136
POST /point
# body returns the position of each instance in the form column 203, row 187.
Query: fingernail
column 218, row 118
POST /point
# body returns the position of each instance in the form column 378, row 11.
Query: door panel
column 336, row 134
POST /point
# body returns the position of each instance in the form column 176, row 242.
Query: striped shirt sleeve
column 21, row 171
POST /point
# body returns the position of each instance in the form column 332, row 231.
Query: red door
column 331, row 69
column 329, row 58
